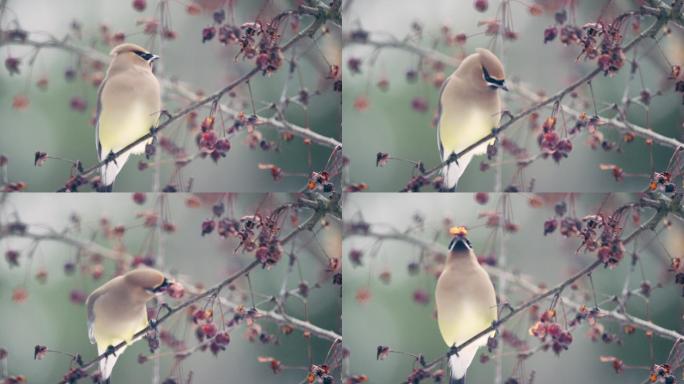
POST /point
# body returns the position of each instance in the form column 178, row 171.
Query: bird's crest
column 127, row 47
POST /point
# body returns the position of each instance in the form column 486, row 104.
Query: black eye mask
column 459, row 244
column 144, row 55
column 490, row 80
column 161, row 287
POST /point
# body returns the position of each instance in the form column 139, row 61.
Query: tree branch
column 279, row 124
column 279, row 318
column 65, row 238
column 621, row 125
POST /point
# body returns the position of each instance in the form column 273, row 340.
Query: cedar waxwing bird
column 469, row 109
column 466, row 304
column 117, row 311
column 128, row 107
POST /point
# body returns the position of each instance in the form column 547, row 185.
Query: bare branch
column 621, row 125
column 280, row 124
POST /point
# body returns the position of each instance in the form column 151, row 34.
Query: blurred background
column 58, row 119
column 377, row 98
column 381, row 306
column 51, row 316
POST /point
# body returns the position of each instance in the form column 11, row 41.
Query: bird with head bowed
column 117, row 311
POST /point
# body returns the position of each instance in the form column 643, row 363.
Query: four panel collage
column 341, row 191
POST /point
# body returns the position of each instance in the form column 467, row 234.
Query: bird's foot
column 111, row 158
column 495, row 324
column 453, row 158
column 453, row 350
column 79, row 360
column 165, row 306
column 154, row 129
column 507, row 113
column 111, row 351
column 506, row 305
column 153, row 323
column 166, row 114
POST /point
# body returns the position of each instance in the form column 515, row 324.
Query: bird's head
column 492, row 70
column 134, row 54
column 147, row 280
column 459, row 242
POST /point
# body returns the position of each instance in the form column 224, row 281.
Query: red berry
column 175, row 290
column 553, row 330
column 139, row 198
column 208, row 33
column 209, row 329
column 482, row 198
column 139, row 5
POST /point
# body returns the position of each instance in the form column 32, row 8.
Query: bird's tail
column 459, row 363
column 454, row 170
column 109, row 171
column 107, row 363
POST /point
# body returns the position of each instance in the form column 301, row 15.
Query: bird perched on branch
column 128, row 107
column 466, row 304
column 469, row 109
column 117, row 311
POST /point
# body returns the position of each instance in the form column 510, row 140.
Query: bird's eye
column 144, row 55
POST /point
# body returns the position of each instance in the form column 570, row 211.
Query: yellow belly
column 460, row 323
column 457, row 131
column 113, row 326
column 119, row 126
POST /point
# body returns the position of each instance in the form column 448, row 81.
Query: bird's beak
column 161, row 287
column 154, row 58
column 503, row 87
